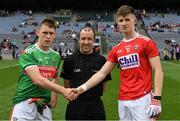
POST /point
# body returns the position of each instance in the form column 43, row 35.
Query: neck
column 42, row 47
column 130, row 35
column 86, row 53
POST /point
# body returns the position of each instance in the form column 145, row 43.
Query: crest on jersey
column 136, row 47
column 46, row 60
column 127, row 48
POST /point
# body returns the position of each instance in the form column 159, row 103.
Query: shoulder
column 99, row 57
column 72, row 57
column 144, row 38
column 30, row 49
column 115, row 48
column 119, row 44
column 54, row 52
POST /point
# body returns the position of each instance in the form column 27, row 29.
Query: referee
column 78, row 68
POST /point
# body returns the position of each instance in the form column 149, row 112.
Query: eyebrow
column 48, row 32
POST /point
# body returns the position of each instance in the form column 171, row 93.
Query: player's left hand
column 154, row 109
column 53, row 101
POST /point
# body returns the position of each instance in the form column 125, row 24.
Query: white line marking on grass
column 9, row 66
column 170, row 63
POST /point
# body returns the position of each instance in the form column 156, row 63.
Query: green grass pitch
column 9, row 74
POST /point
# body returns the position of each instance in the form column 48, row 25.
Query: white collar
column 43, row 51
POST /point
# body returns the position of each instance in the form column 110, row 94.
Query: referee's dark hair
column 88, row 28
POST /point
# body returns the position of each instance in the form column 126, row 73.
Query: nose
column 86, row 41
column 124, row 23
column 48, row 35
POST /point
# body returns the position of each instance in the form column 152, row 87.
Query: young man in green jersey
column 38, row 77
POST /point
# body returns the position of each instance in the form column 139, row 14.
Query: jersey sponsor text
column 129, row 61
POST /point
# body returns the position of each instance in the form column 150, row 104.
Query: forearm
column 56, row 81
column 37, row 79
column 158, row 82
column 93, row 81
column 45, row 83
column 158, row 76
column 97, row 78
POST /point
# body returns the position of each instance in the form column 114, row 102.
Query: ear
column 37, row 33
column 79, row 40
column 135, row 20
column 54, row 35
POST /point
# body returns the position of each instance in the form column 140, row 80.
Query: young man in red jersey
column 137, row 55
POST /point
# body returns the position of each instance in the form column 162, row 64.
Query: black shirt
column 78, row 68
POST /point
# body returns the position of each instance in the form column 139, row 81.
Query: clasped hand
column 71, row 94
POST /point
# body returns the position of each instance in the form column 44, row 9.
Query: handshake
column 71, row 93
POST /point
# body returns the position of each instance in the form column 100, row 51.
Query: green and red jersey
column 48, row 63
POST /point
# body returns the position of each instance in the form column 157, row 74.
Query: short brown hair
column 49, row 22
column 124, row 10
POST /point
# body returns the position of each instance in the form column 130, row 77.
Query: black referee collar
column 80, row 53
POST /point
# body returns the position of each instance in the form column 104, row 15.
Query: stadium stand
column 20, row 29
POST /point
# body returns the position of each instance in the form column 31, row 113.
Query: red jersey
column 135, row 69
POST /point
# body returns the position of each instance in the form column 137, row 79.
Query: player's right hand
column 70, row 94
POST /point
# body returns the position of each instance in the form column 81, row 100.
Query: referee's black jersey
column 78, row 68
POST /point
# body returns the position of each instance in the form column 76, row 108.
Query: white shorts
column 135, row 110
column 24, row 111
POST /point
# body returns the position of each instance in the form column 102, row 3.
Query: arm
column 37, row 79
column 158, row 77
column 154, row 109
column 97, row 77
column 54, row 96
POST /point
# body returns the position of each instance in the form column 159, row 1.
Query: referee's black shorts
column 86, row 109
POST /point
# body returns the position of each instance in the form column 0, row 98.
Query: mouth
column 47, row 41
column 124, row 28
column 85, row 48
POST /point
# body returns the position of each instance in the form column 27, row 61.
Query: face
column 126, row 24
column 86, row 41
column 46, row 36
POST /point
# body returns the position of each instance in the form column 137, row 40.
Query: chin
column 47, row 45
column 86, row 51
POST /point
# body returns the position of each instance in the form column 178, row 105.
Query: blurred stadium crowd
column 17, row 30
